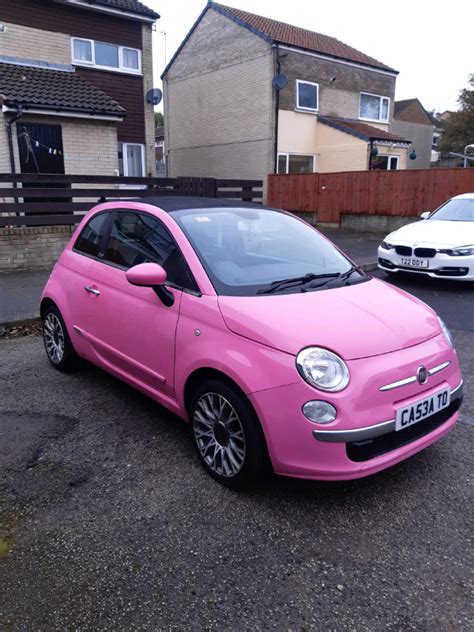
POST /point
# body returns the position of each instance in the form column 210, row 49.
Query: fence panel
column 396, row 193
column 37, row 200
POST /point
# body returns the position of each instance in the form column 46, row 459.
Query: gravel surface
column 107, row 521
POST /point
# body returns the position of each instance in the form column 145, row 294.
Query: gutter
column 9, row 124
column 277, row 109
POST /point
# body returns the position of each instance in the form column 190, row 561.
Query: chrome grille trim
column 440, row 367
column 412, row 378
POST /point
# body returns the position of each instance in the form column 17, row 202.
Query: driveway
column 108, row 522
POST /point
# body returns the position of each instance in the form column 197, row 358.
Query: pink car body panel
column 382, row 333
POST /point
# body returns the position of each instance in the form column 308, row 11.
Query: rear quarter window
column 89, row 241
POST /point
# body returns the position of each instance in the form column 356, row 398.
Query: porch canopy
column 59, row 91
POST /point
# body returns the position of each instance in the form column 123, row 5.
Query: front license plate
column 418, row 411
column 414, row 263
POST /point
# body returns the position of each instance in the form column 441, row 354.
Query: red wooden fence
column 403, row 193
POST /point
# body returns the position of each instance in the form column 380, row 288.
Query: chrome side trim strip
column 440, row 367
column 404, row 382
column 369, row 432
column 412, row 378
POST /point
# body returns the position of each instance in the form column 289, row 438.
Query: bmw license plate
column 412, row 414
column 414, row 263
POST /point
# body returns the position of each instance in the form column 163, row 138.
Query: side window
column 139, row 238
column 89, row 241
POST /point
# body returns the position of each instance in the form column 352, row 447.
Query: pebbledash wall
column 32, row 248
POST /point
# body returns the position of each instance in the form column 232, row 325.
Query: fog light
column 319, row 412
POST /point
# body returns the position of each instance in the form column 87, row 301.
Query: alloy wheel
column 53, row 338
column 219, row 434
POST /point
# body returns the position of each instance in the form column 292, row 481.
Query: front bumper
column 377, row 430
column 441, row 266
column 358, row 443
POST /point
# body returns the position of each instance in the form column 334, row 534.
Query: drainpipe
column 371, row 146
column 19, row 114
column 277, row 109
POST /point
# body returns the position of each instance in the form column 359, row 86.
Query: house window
column 307, row 96
column 295, row 163
column 82, row 51
column 385, row 163
column 87, row 52
column 373, row 107
column 131, row 158
column 106, row 55
column 131, row 59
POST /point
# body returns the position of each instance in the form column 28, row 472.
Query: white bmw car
column 441, row 245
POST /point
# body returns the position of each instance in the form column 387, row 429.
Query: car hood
column 435, row 232
column 357, row 321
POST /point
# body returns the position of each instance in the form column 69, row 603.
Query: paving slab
column 19, row 295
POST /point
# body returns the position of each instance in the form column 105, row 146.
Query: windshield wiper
column 301, row 280
column 336, row 279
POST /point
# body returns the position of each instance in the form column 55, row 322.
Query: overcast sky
column 430, row 44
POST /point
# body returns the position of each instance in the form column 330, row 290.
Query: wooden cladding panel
column 128, row 91
column 52, row 16
column 395, row 193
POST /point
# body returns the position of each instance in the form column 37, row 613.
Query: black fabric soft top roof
column 172, row 203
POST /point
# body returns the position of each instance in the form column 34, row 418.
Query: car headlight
column 462, row 251
column 323, row 369
column 386, row 245
column 446, row 332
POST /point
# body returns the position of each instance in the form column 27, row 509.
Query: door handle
column 92, row 290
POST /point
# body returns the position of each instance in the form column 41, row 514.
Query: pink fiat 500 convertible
column 248, row 323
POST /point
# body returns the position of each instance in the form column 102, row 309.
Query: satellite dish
column 279, row 82
column 154, row 96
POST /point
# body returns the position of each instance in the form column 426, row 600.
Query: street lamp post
column 164, row 37
column 471, row 146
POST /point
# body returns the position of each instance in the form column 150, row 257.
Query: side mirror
column 146, row 275
column 154, row 276
column 425, row 215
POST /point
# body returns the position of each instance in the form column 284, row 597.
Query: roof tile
column 361, row 130
column 54, row 89
column 132, row 6
column 301, row 38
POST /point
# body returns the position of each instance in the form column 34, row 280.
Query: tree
column 459, row 127
column 159, row 120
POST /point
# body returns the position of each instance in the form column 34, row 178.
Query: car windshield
column 460, row 210
column 248, row 251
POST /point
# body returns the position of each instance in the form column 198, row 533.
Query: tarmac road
column 108, row 522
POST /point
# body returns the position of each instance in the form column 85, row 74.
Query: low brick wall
column 32, row 248
column 375, row 223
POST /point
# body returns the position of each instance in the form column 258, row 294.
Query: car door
column 73, row 271
column 131, row 331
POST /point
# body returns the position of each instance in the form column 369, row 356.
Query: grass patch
column 6, row 544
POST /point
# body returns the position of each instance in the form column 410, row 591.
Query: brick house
column 223, row 116
column 73, row 81
column 413, row 121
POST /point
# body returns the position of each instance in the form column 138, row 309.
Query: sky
column 430, row 44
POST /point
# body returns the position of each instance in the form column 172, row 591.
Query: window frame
column 301, row 108
column 106, row 236
column 287, row 156
column 92, row 64
column 389, row 157
column 381, row 97
column 125, row 159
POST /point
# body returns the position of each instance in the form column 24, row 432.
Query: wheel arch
column 198, row 376
column 45, row 303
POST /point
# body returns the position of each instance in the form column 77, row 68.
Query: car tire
column 227, row 434
column 57, row 343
